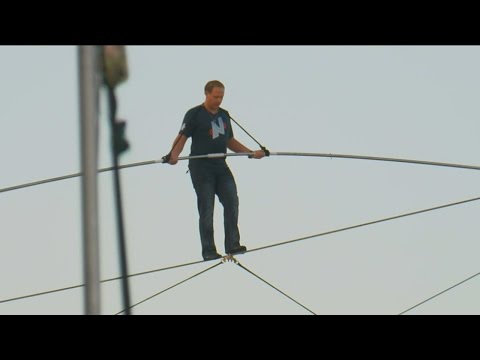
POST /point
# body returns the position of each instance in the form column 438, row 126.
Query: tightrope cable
column 103, row 281
column 365, row 224
column 255, row 249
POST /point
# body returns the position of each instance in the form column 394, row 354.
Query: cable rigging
column 169, row 288
column 257, row 249
column 440, row 293
column 275, row 288
column 225, row 259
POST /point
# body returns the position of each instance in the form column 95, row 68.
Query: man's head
column 214, row 91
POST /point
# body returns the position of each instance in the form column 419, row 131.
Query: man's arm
column 178, row 145
column 236, row 146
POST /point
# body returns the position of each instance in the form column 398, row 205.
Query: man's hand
column 173, row 159
column 257, row 154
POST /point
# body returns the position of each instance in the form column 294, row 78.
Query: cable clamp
column 229, row 258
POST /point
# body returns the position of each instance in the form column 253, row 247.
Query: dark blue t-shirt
column 210, row 133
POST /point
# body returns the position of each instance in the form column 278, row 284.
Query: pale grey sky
column 418, row 102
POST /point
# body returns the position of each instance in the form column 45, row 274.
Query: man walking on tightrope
column 210, row 128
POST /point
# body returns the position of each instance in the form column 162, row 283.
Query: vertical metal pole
column 89, row 90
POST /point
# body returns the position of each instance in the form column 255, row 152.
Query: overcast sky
column 416, row 102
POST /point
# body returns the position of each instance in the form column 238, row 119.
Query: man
column 210, row 128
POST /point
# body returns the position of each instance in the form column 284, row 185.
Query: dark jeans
column 210, row 178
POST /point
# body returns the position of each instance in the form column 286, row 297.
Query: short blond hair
column 212, row 84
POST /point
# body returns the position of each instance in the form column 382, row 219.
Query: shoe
column 211, row 256
column 237, row 250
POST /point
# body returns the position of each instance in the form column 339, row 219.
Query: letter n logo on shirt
column 217, row 129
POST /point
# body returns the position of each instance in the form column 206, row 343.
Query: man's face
column 214, row 99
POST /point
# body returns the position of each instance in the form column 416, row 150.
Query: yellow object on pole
column 115, row 64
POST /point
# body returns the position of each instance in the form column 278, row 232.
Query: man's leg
column 227, row 194
column 204, row 184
